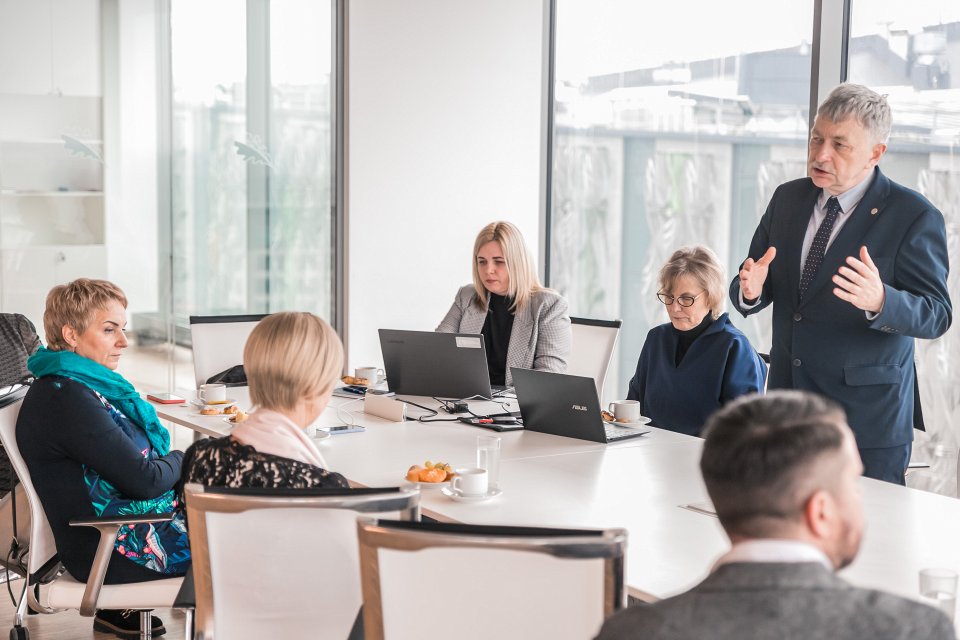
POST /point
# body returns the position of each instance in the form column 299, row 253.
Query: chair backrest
column 593, row 345
column 18, row 341
column 463, row 581
column 43, row 549
column 281, row 563
column 218, row 342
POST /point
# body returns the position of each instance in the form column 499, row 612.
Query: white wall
column 444, row 136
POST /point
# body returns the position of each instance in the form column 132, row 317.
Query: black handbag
column 233, row 377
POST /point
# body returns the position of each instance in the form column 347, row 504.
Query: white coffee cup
column 625, row 410
column 213, row 392
column 470, row 481
column 372, row 374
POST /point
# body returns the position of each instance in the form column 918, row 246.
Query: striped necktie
column 819, row 246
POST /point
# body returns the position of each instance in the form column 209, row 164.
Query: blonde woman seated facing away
column 699, row 361
column 292, row 361
column 523, row 323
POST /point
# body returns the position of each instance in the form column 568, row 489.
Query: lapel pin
column 873, row 211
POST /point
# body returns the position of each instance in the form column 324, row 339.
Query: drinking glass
column 939, row 588
column 488, row 457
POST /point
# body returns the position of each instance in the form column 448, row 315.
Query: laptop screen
column 427, row 363
column 559, row 404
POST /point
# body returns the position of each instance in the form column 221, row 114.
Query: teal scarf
column 110, row 384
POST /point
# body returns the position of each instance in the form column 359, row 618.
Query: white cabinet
column 28, row 274
column 52, row 226
column 50, row 47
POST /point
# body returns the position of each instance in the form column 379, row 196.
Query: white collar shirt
column 773, row 550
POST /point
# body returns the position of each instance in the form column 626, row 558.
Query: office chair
column 218, row 341
column 479, row 582
column 593, row 345
column 281, row 563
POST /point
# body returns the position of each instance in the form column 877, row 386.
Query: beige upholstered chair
column 479, row 582
column 282, row 563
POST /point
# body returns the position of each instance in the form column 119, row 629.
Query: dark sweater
column 719, row 365
column 63, row 431
column 496, row 336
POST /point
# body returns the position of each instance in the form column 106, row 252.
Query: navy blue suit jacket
column 719, row 366
column 825, row 344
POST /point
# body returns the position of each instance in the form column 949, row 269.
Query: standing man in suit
column 855, row 266
column 784, row 474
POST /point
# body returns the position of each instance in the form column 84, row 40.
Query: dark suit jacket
column 825, row 344
column 778, row 601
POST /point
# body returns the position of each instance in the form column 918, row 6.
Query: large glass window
column 252, row 157
column 670, row 130
column 911, row 52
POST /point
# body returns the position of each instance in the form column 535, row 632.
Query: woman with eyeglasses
column 699, row 361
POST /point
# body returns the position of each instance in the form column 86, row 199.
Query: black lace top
column 224, row 462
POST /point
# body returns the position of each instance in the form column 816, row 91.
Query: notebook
column 565, row 405
column 426, row 363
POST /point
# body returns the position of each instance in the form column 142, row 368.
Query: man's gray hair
column 866, row 105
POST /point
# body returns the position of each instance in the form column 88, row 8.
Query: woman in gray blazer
column 523, row 323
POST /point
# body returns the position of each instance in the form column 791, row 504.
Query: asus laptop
column 427, row 363
column 565, row 405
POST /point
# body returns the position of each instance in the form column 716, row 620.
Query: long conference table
column 643, row 485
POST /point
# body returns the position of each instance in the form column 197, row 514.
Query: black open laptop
column 427, row 363
column 565, row 405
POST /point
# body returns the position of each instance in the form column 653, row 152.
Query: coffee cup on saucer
column 625, row 410
column 372, row 374
column 469, row 482
column 213, row 393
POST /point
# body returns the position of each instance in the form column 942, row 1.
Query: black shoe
column 125, row 623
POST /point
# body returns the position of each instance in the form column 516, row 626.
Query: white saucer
column 431, row 485
column 492, row 492
column 636, row 423
column 216, row 405
column 229, row 421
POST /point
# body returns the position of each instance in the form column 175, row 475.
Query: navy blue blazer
column 827, row 345
column 719, row 366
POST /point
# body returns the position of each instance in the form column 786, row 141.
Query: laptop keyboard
column 616, row 433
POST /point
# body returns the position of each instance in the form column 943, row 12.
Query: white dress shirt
column 773, row 550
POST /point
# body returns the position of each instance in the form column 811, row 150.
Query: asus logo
column 579, row 407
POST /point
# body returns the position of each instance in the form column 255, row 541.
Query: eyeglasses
column 685, row 301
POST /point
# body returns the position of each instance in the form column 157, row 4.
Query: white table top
column 639, row 485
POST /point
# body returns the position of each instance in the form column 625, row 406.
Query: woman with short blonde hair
column 96, row 449
column 311, row 363
column 697, row 362
column 523, row 323
column 292, row 361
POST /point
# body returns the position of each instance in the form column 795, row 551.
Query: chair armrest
column 121, row 520
column 109, row 528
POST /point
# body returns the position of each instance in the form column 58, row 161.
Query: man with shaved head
column 784, row 475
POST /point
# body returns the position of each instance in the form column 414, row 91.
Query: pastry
column 209, row 411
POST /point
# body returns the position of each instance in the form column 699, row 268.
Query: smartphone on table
column 345, row 428
column 165, row 398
